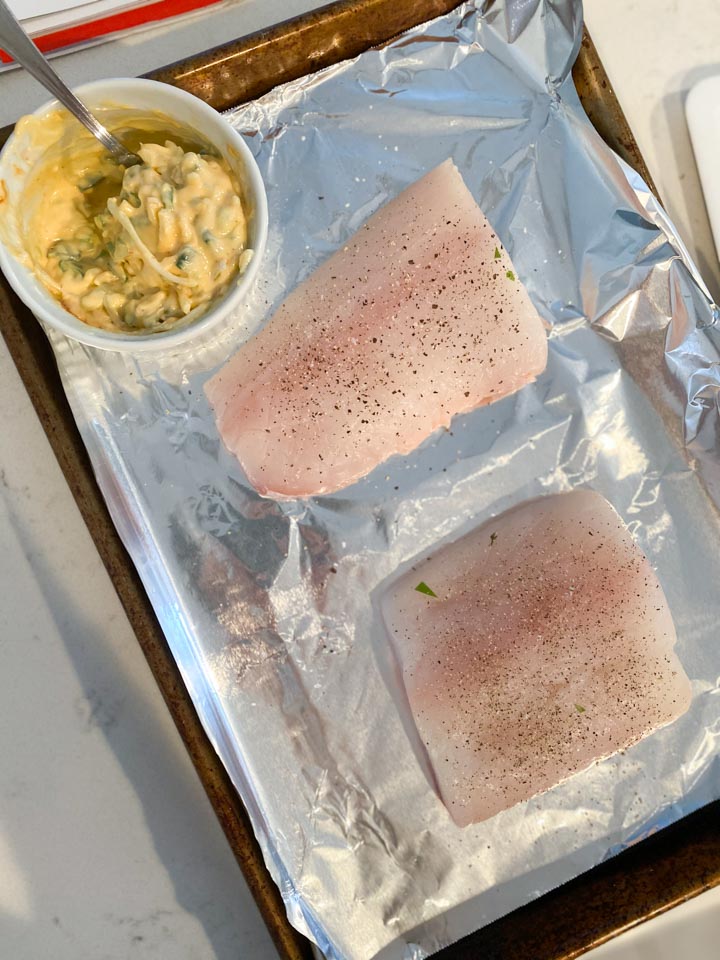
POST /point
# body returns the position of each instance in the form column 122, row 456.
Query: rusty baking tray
column 656, row 874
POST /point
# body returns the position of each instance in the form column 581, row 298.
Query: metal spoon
column 16, row 42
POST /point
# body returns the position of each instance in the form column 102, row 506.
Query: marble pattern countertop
column 108, row 846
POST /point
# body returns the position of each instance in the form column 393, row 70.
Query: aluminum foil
column 270, row 607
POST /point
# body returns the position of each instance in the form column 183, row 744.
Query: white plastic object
column 702, row 110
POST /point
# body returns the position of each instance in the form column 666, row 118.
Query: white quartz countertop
column 108, row 846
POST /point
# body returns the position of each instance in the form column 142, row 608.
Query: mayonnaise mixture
column 138, row 249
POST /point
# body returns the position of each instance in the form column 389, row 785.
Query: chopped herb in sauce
column 579, row 708
column 132, row 198
column 184, row 257
column 87, row 183
column 510, row 275
column 497, row 253
column 167, row 195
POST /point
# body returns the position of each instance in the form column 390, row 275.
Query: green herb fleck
column 184, row 257
column 132, row 198
column 579, row 708
column 422, row 587
column 90, row 181
column 117, row 270
column 71, row 266
column 497, row 253
column 208, row 236
column 493, row 538
column 167, row 195
column 64, row 249
column 510, row 275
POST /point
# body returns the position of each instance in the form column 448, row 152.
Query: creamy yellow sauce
column 138, row 249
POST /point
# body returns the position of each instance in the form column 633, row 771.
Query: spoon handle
column 18, row 44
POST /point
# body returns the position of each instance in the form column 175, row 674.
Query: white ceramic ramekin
column 143, row 96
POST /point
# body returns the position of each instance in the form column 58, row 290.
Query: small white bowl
column 183, row 108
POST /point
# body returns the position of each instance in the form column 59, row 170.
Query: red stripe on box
column 114, row 23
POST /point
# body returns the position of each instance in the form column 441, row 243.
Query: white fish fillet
column 417, row 318
column 549, row 646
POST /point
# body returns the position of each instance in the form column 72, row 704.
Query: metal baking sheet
column 635, row 358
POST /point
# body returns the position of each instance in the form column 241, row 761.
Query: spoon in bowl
column 18, row 44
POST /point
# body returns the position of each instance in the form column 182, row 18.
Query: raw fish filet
column 549, row 645
column 417, row 318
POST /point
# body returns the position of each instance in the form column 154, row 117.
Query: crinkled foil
column 270, row 608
